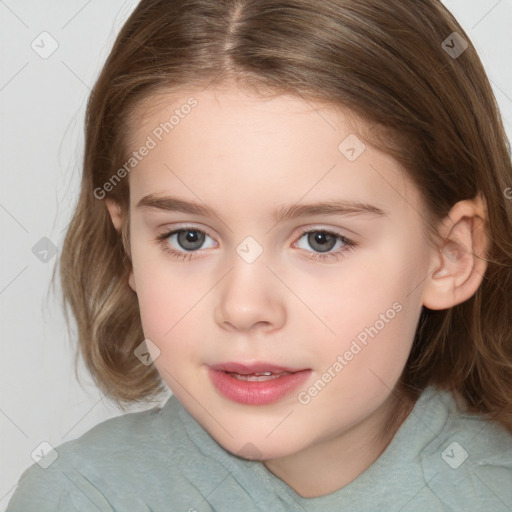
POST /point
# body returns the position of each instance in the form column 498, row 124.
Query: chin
column 259, row 450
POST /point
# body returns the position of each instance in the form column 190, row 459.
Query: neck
column 331, row 464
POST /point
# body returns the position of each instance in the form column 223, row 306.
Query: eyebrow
column 284, row 212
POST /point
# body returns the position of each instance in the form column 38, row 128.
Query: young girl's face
column 330, row 315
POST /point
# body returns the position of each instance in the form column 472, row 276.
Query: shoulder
column 122, row 440
column 468, row 465
column 115, row 455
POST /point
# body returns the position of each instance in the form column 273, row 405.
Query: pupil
column 192, row 237
column 322, row 240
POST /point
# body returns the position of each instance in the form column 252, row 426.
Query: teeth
column 257, row 377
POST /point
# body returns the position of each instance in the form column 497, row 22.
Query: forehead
column 231, row 103
column 212, row 143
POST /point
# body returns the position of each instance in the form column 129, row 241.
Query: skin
column 244, row 155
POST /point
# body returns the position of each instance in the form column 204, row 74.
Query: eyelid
column 341, row 232
column 187, row 225
column 349, row 243
column 298, row 233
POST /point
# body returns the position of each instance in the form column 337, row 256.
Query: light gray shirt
column 163, row 460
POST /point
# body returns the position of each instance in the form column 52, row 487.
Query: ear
column 459, row 263
column 116, row 214
column 115, row 211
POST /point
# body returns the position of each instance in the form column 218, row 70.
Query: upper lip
column 258, row 367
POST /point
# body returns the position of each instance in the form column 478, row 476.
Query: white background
column 42, row 104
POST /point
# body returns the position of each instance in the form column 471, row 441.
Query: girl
column 296, row 216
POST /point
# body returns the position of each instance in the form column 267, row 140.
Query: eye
column 189, row 239
column 182, row 243
column 325, row 241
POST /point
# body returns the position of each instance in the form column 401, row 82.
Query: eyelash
column 322, row 257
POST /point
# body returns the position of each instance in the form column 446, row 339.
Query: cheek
column 171, row 302
column 167, row 318
column 161, row 295
column 376, row 314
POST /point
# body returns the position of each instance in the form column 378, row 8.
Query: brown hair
column 434, row 112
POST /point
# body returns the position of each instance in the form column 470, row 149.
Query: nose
column 251, row 298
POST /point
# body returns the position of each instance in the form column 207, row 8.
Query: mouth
column 255, row 384
column 258, row 377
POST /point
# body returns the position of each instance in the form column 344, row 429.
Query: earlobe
column 459, row 264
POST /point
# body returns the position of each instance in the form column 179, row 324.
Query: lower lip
column 256, row 392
